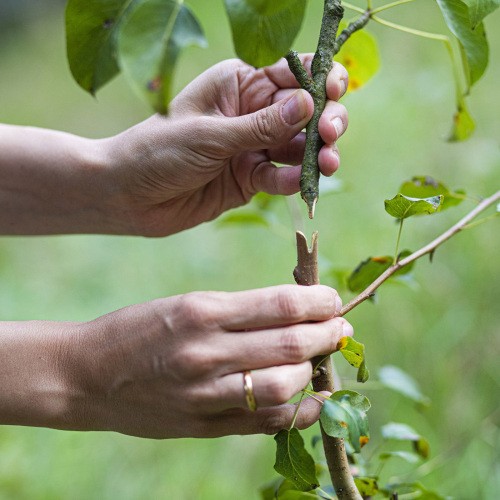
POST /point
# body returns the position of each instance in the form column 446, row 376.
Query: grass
column 443, row 333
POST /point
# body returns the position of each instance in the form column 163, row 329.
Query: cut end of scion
column 311, row 199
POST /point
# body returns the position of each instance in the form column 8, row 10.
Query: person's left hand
column 216, row 148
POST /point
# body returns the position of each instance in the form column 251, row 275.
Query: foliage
column 272, row 28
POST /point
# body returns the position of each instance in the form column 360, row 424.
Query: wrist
column 39, row 385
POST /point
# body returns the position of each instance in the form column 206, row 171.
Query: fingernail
column 295, row 109
column 347, row 330
column 338, row 124
column 343, row 87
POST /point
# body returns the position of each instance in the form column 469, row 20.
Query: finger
column 268, row 127
column 271, row 179
column 271, row 386
column 265, row 420
column 278, row 305
column 329, row 159
column 280, row 74
column 336, row 82
column 291, row 152
column 333, row 122
column 280, row 346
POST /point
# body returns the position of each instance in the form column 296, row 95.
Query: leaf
column 149, row 43
column 264, row 31
column 244, row 217
column 370, row 269
column 408, row 456
column 355, row 399
column 367, row 486
column 91, row 32
column 363, row 373
column 282, row 488
column 293, row 461
column 396, row 379
column 472, row 41
column 360, row 56
column 408, row 488
column 479, row 9
column 403, row 432
column 342, row 420
column 424, row 186
column 402, row 207
column 463, row 124
column 354, row 353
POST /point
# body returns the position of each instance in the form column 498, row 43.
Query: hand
column 173, row 367
column 215, row 149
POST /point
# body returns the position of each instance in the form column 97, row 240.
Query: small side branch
column 427, row 249
column 298, row 70
column 357, row 25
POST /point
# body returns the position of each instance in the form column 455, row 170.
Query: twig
column 427, row 249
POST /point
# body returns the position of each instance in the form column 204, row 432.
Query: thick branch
column 427, row 249
column 306, row 273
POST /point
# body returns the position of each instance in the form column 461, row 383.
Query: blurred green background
column 441, row 331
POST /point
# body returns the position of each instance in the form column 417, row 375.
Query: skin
column 171, row 367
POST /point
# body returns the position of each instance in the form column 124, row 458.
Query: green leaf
column 408, row 456
column 293, row 461
column 370, row 269
column 408, row 488
column 403, row 432
column 463, row 124
column 264, row 31
column 424, row 186
column 149, row 43
column 244, row 217
column 91, row 33
column 363, row 373
column 472, row 40
column 367, row 486
column 360, row 56
column 354, row 353
column 399, row 381
column 342, row 420
column 282, row 489
column 479, row 9
column 355, row 399
column 402, row 207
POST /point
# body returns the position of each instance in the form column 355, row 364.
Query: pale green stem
column 355, row 8
column 398, row 240
column 480, row 221
column 431, row 36
column 297, row 410
column 325, row 494
column 390, row 5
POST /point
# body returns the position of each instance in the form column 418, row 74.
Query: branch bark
column 306, row 273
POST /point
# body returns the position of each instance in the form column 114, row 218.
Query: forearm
column 37, row 387
column 54, row 183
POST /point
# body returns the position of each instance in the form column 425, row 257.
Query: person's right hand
column 173, row 367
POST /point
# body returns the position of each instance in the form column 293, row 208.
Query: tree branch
column 306, row 273
column 427, row 249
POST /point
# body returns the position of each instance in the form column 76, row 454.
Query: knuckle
column 198, row 308
column 279, row 390
column 264, row 125
column 274, row 421
column 194, row 362
column 289, row 305
column 294, row 345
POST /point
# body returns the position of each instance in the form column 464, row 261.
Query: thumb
column 270, row 126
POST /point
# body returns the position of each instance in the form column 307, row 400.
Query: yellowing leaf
column 463, row 125
column 360, row 56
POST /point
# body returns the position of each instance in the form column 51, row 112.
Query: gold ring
column 249, row 395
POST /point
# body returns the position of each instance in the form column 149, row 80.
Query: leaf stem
column 427, row 249
column 397, row 241
column 390, row 5
column 292, row 425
